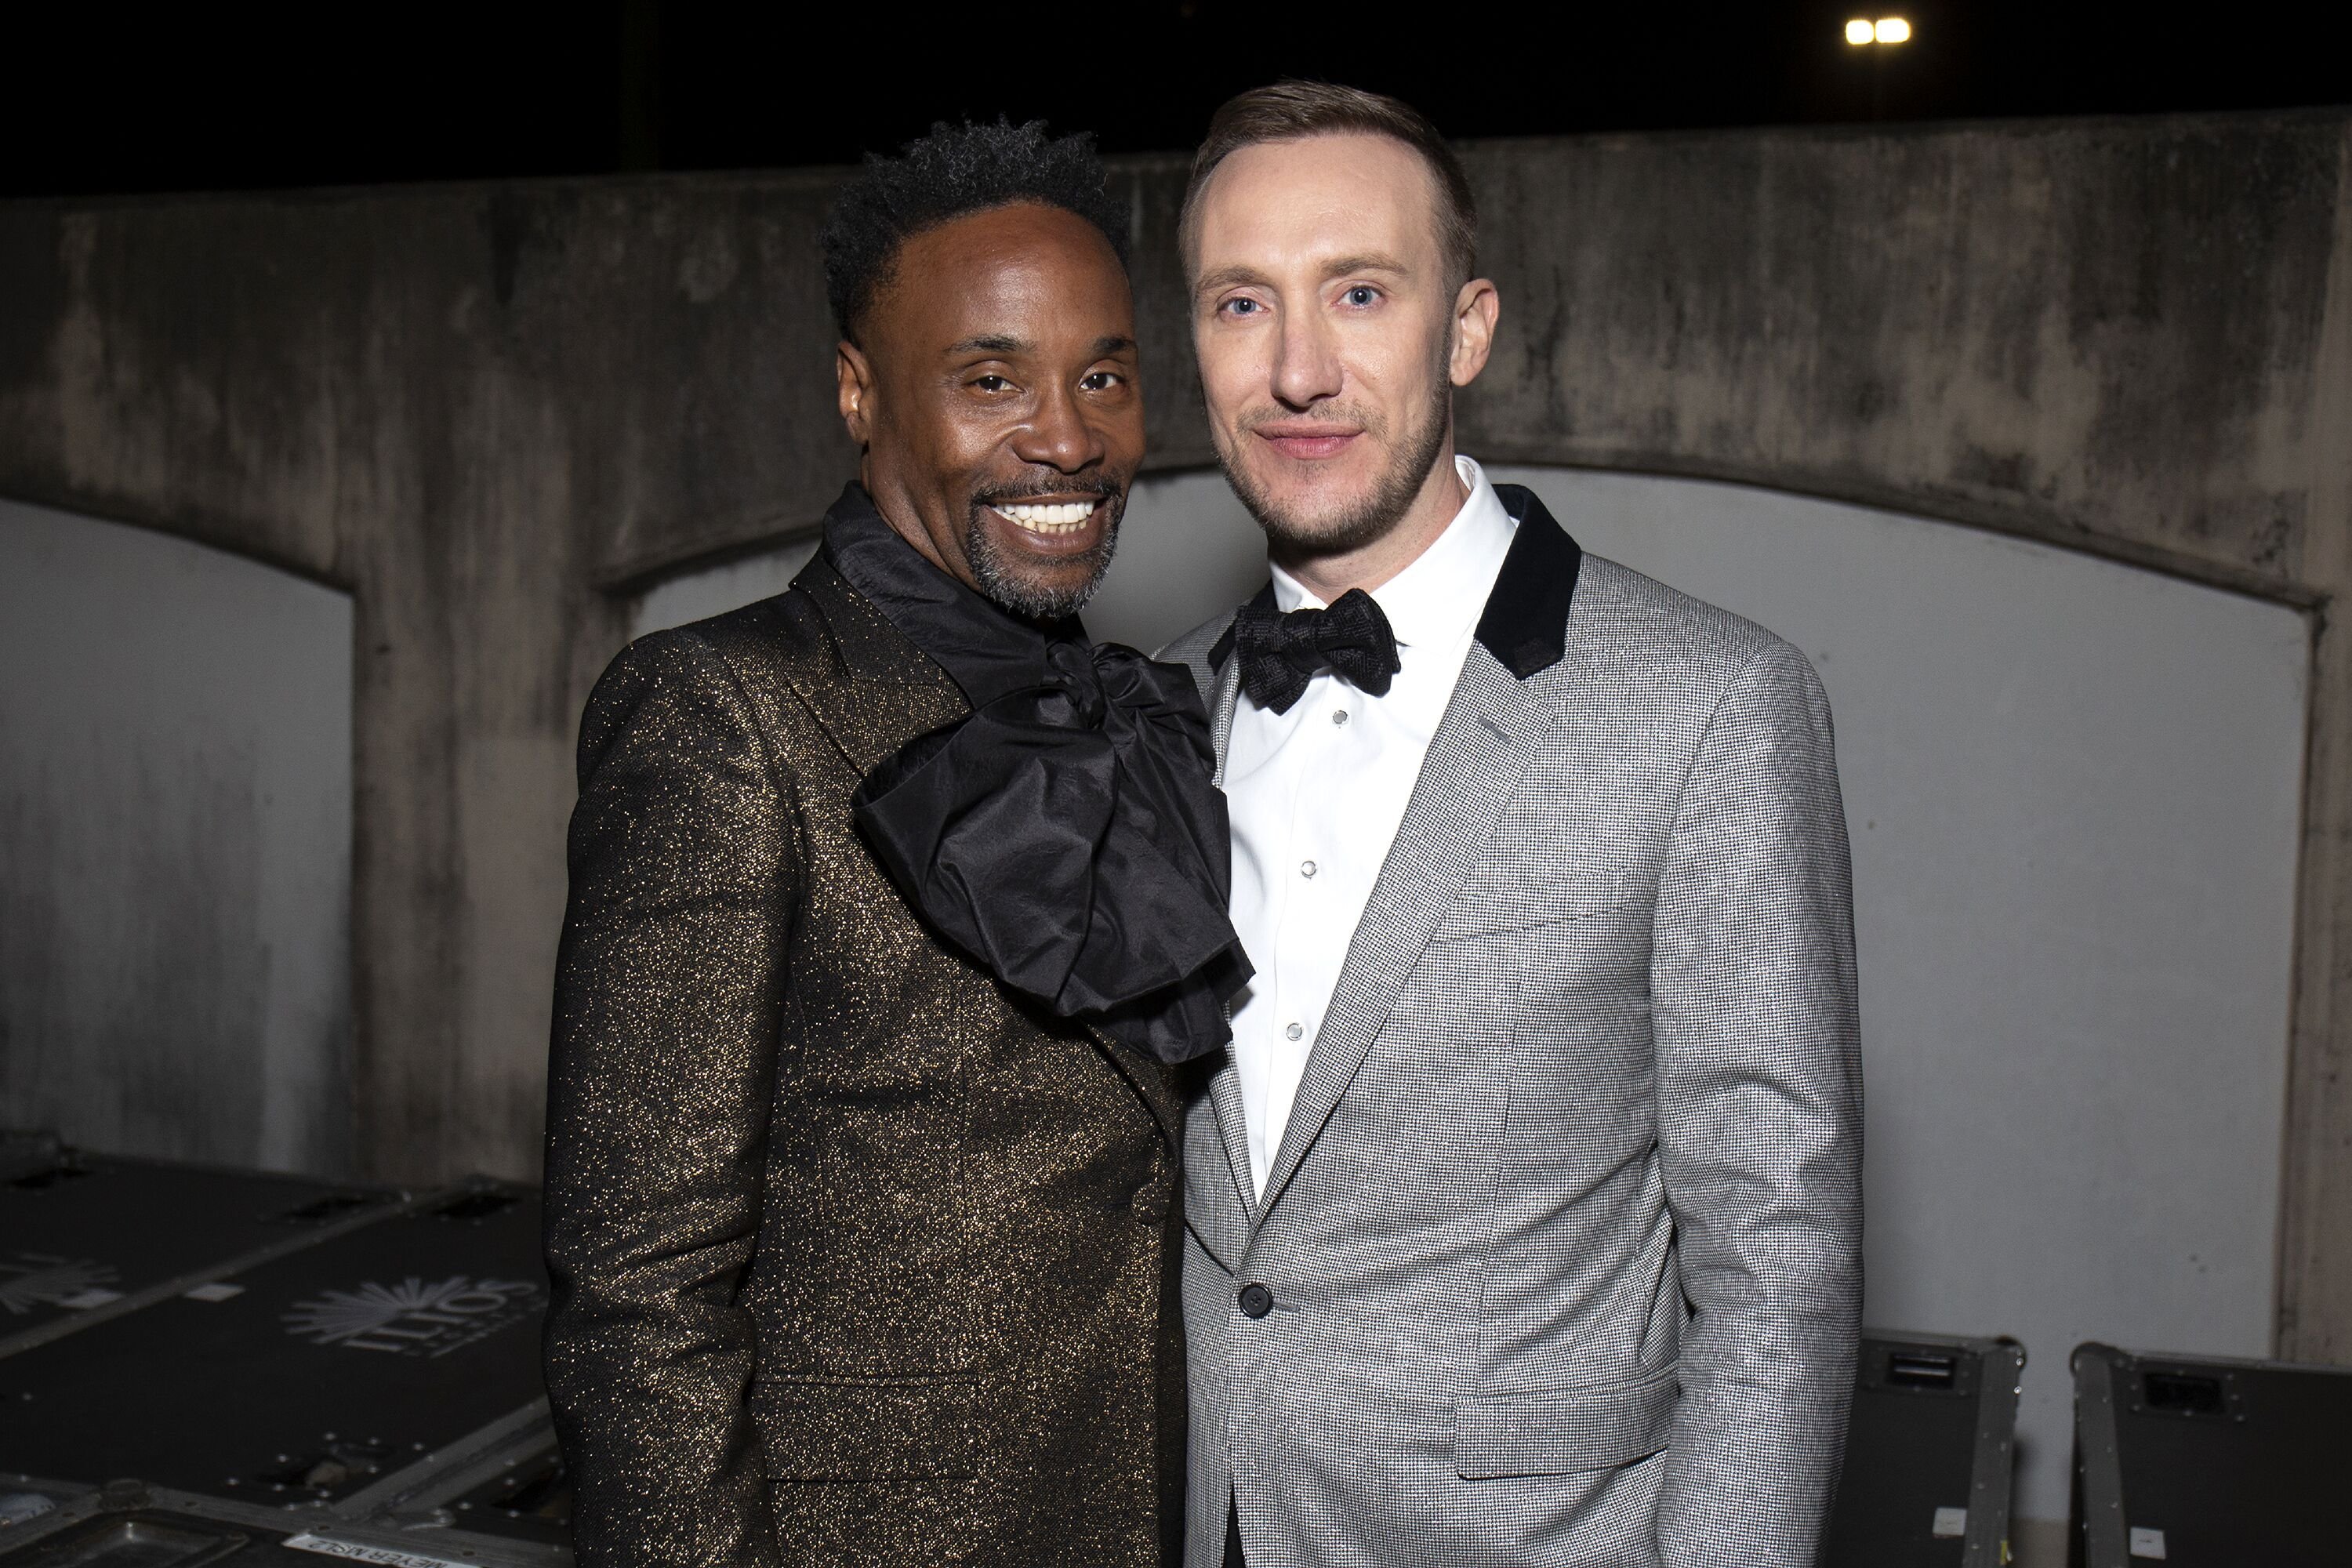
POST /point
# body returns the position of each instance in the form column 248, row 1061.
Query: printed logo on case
column 361, row 1551
column 30, row 1279
column 413, row 1318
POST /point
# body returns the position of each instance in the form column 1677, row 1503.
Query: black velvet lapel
column 1525, row 623
column 1525, row 626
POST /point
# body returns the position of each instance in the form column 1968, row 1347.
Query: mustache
column 1365, row 419
column 1049, row 485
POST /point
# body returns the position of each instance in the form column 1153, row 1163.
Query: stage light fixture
column 1892, row 30
column 1859, row 31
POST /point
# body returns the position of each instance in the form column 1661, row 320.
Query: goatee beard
column 1001, row 583
column 1377, row 513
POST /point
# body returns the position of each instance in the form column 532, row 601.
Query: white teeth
column 1061, row 517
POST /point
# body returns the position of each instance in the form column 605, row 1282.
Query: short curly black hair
column 955, row 170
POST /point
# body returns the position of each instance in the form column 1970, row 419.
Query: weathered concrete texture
column 2316, row 1220
column 483, row 408
column 2108, row 334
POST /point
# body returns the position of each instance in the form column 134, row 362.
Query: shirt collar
column 1436, row 600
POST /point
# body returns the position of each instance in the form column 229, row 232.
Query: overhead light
column 1859, row 31
column 1890, row 30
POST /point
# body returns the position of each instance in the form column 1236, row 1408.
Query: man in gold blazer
column 893, row 906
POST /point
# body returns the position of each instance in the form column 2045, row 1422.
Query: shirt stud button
column 1293, row 1031
column 1340, row 716
column 1306, row 867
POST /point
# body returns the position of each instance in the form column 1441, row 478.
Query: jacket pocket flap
column 1523, row 898
column 1559, row 1431
column 865, row 1429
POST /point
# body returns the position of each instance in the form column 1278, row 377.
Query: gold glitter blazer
column 855, row 1261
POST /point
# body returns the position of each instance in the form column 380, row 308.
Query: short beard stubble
column 1353, row 527
column 1000, row 578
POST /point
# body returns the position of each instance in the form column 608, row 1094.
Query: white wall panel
column 175, row 847
column 2074, row 791
column 714, row 590
column 1186, row 550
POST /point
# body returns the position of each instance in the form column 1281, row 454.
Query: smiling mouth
column 1049, row 516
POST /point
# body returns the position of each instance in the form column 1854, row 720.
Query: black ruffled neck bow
column 1065, row 834
column 1281, row 653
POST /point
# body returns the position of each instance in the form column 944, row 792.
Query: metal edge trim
column 455, row 1467
column 2247, row 1364
column 1956, row 1341
column 180, row 1285
column 483, row 1550
column 441, row 1549
column 2094, row 1366
column 2000, row 1369
column 68, row 1513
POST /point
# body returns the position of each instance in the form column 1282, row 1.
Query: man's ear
column 854, row 382
column 1475, row 310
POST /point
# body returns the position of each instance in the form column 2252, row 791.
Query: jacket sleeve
column 685, row 875
column 1759, row 1125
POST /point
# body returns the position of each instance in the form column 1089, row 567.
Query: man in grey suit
column 1524, row 1216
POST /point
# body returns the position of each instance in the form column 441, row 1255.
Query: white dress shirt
column 1316, row 795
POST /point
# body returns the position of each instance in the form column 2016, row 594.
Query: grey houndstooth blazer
column 1564, row 1240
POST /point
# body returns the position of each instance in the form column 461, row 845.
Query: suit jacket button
column 1256, row 1300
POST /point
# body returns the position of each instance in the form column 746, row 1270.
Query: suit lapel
column 1224, row 1085
column 1512, row 688
column 1221, row 710
column 1492, row 725
column 1233, row 1132
column 895, row 692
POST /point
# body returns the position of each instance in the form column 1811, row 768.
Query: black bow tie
column 1280, row 654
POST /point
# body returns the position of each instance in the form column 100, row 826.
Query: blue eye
column 1361, row 295
column 1241, row 307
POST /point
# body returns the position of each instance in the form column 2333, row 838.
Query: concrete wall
column 175, row 848
column 495, row 412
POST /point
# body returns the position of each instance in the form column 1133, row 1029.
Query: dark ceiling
column 106, row 99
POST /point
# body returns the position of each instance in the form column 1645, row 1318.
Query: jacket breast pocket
column 1523, row 896
column 1561, row 1431
column 869, row 1429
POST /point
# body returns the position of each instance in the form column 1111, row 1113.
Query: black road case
column 259, row 1349
column 2198, row 1459
column 325, row 1369
column 128, row 1525
column 85, row 1237
column 360, row 1386
column 1928, row 1454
